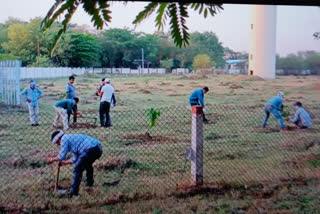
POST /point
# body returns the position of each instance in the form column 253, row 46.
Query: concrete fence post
column 197, row 146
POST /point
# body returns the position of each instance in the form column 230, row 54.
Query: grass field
column 246, row 170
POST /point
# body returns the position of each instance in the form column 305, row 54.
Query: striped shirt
column 303, row 115
column 77, row 144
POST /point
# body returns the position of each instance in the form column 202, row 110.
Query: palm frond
column 206, row 8
column 179, row 31
column 162, row 15
column 148, row 10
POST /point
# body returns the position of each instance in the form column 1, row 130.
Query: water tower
column 262, row 54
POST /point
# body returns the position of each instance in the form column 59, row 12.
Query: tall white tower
column 262, row 55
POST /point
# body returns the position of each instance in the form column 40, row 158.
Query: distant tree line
column 83, row 47
column 307, row 60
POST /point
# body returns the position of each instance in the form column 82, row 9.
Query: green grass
column 235, row 151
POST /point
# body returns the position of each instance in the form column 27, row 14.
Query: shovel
column 56, row 186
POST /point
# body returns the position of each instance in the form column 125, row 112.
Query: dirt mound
column 115, row 163
column 175, row 95
column 147, row 138
column 225, row 83
column 144, row 91
column 301, row 161
column 235, row 86
column 256, row 106
column 130, row 83
column 301, row 144
column 165, row 83
column 33, row 159
column 197, row 76
column 83, row 126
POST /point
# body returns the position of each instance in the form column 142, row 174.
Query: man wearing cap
column 196, row 98
column 107, row 96
column 274, row 106
column 62, row 109
column 85, row 150
column 31, row 95
column 301, row 118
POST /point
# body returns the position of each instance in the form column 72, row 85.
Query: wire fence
column 138, row 160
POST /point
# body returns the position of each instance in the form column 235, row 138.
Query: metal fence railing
column 141, row 160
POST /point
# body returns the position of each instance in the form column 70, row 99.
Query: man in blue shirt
column 85, row 150
column 274, row 106
column 301, row 118
column 63, row 108
column 31, row 96
column 196, row 98
column 71, row 93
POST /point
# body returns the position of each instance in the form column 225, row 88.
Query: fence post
column 197, row 146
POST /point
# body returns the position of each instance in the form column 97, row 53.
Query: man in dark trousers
column 85, row 150
column 107, row 96
column 197, row 98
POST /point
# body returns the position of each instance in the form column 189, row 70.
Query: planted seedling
column 152, row 116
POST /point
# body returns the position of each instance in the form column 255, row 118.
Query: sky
column 295, row 24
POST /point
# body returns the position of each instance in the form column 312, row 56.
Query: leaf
column 179, row 30
column 162, row 16
column 149, row 9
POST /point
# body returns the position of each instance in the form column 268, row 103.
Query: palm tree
column 99, row 10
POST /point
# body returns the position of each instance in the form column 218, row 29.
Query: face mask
column 297, row 107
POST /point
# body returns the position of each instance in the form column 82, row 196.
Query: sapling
column 152, row 116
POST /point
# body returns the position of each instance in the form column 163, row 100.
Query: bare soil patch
column 147, row 138
column 316, row 86
column 114, row 163
column 33, row 159
column 83, row 125
column 235, row 86
column 130, row 83
column 301, row 160
column 298, row 144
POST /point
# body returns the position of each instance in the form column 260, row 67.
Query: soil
column 82, row 126
column 33, row 159
column 235, row 86
column 316, row 87
column 256, row 106
column 180, row 85
column 115, row 163
column 147, row 138
column 130, row 83
column 301, row 161
column 300, row 144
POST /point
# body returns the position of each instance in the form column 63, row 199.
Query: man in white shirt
column 107, row 96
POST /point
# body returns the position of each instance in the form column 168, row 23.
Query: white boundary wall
column 10, row 82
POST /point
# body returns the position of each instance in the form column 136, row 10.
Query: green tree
column 312, row 60
column 99, row 10
column 84, row 51
column 208, row 43
column 290, row 62
column 27, row 42
column 202, row 61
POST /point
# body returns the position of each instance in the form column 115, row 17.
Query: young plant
column 152, row 116
column 285, row 114
column 63, row 96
